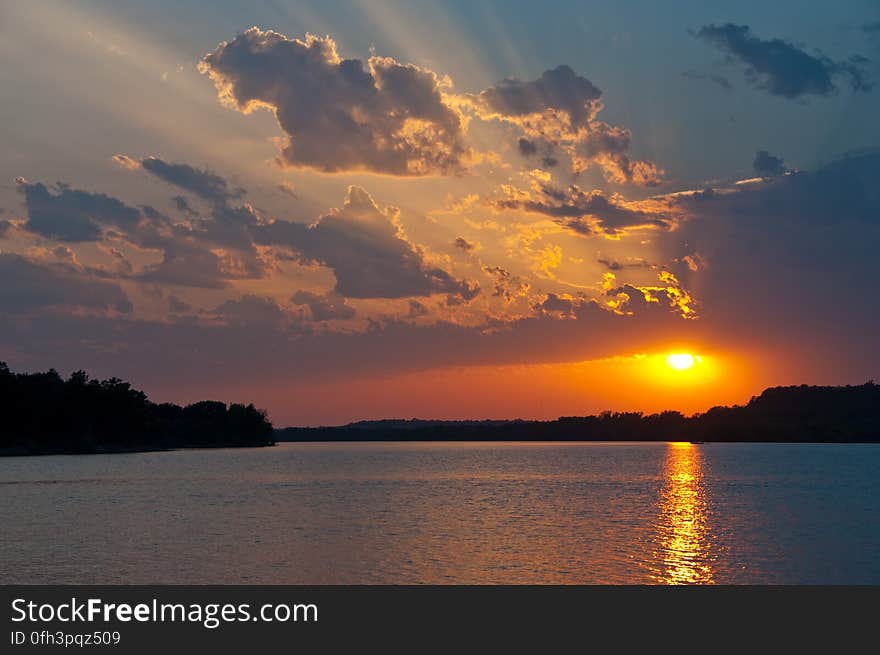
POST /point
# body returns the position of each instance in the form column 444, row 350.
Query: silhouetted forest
column 42, row 413
column 791, row 414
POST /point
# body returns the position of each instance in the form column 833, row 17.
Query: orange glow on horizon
column 641, row 382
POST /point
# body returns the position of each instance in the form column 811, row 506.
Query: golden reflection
column 682, row 526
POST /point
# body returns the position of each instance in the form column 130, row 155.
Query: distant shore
column 797, row 414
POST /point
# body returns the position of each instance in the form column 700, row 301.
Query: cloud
column 127, row 162
column 367, row 251
column 720, row 80
column 70, row 214
column 286, row 188
column 767, row 165
column 560, row 305
column 630, row 262
column 781, row 68
column 558, row 111
column 586, row 212
column 463, row 244
column 201, row 182
column 188, row 266
column 182, row 204
column 507, row 286
column 324, row 307
column 250, row 310
column 27, row 285
column 559, row 90
column 840, row 192
column 526, row 147
column 793, row 254
column 636, row 299
column 340, row 114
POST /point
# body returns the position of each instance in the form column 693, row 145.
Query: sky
column 372, row 209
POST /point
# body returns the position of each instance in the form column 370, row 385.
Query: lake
column 446, row 513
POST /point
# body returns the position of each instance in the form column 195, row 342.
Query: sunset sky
column 449, row 209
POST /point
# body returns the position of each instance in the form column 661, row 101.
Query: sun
column 682, row 361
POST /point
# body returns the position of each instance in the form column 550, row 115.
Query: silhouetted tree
column 42, row 413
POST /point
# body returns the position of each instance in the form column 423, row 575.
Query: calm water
column 446, row 513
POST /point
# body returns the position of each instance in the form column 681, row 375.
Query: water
column 446, row 513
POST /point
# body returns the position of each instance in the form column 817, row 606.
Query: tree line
column 788, row 414
column 43, row 413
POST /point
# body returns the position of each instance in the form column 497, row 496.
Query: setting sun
column 682, row 361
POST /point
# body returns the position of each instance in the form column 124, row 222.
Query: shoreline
column 130, row 451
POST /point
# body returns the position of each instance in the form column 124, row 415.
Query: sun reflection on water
column 684, row 555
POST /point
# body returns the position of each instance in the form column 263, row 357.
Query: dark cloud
column 340, row 114
column 188, row 266
column 793, row 259
column 527, row 148
column 27, row 285
column 5, row 227
column 559, row 89
column 767, row 165
column 366, row 251
column 463, row 244
column 587, row 212
column 182, row 205
column 324, row 307
column 720, row 80
column 250, row 310
column 201, row 182
column 507, row 286
column 72, row 215
column 845, row 190
column 872, row 29
column 781, row 68
column 560, row 305
column 615, row 265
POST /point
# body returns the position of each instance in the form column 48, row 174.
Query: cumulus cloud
column 324, row 307
column 27, row 285
column 559, row 90
column 558, row 111
column 367, row 251
column 340, row 114
column 781, row 68
column 767, row 165
column 70, row 214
